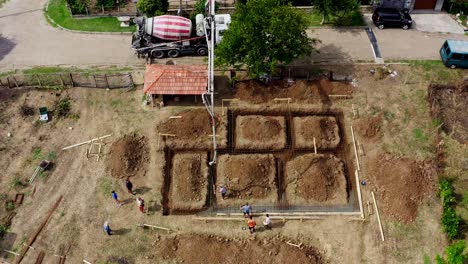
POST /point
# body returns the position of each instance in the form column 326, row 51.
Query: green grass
column 435, row 71
column 348, row 20
column 2, row 2
column 58, row 11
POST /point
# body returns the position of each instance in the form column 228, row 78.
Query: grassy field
column 58, row 12
column 348, row 20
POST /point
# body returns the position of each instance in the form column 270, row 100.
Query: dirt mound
column 324, row 129
column 192, row 130
column 212, row 249
column 448, row 105
column 401, row 185
column 370, row 127
column 316, row 178
column 301, row 90
column 248, row 177
column 260, row 132
column 128, row 156
column 189, row 181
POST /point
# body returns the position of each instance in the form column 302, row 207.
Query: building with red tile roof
column 175, row 79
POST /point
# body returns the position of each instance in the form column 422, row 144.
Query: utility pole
column 208, row 97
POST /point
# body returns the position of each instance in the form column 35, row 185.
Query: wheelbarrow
column 43, row 114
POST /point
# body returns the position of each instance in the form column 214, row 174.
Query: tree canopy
column 153, row 7
column 330, row 8
column 262, row 35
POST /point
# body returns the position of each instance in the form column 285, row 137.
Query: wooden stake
column 315, row 147
column 355, row 149
column 354, row 111
column 358, row 187
column 87, row 262
column 378, row 217
column 299, row 246
column 11, row 252
column 175, row 117
column 33, row 238
column 86, row 142
column 153, row 226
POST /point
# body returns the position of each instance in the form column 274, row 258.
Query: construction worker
column 116, row 198
column 222, row 191
column 141, row 204
column 267, row 222
column 129, row 186
column 246, row 209
column 107, row 228
column 251, row 224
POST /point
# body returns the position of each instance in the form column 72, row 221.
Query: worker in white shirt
column 267, row 222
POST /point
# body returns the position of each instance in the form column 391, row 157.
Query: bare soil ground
column 316, row 179
column 189, row 181
column 370, row 127
column 193, row 130
column 218, row 249
column 260, row 132
column 325, row 130
column 128, row 156
column 301, row 91
column 395, row 164
column 247, row 178
column 402, row 184
column 449, row 105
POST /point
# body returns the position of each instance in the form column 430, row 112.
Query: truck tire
column 173, row 53
column 158, row 54
column 202, row 51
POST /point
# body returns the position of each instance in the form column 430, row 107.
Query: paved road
column 26, row 39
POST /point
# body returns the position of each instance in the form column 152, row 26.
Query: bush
column 63, row 107
column 153, row 7
column 454, row 254
column 3, row 230
column 450, row 220
column 446, row 192
column 77, row 6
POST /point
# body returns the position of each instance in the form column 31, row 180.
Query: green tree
column 454, row 254
column 153, row 7
column 334, row 8
column 262, row 35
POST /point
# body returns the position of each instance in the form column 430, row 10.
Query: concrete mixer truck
column 172, row 36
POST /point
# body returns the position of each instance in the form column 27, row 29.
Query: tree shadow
column 128, row 201
column 121, row 231
column 141, row 190
column 6, row 45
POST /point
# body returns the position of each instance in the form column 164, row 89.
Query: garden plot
column 247, row 178
column 316, row 179
column 257, row 132
column 324, row 129
column 189, row 181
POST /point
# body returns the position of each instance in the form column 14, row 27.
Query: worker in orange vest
column 251, row 223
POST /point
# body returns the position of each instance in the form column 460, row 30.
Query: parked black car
column 392, row 17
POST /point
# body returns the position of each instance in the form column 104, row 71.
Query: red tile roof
column 175, row 79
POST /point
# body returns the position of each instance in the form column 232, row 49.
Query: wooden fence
column 111, row 81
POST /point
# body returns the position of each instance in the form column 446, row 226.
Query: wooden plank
column 33, row 238
column 86, row 142
column 358, row 188
column 153, row 226
column 315, row 147
column 355, row 150
column 378, row 217
column 300, row 213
